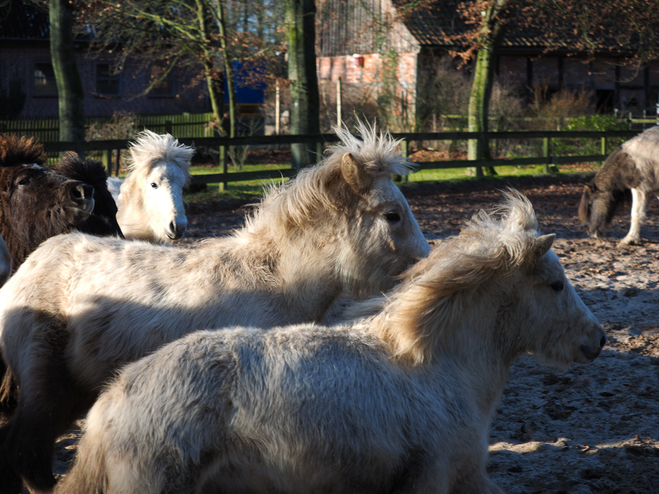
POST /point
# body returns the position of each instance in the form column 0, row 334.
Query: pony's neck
column 301, row 269
column 464, row 339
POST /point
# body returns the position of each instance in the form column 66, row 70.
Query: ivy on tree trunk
column 479, row 100
column 69, row 85
column 305, row 113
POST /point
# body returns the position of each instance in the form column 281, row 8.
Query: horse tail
column 88, row 475
column 584, row 205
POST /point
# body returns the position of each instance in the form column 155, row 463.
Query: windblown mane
column 322, row 187
column 89, row 171
column 424, row 307
column 18, row 151
column 378, row 152
column 149, row 148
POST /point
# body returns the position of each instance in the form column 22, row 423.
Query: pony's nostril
column 176, row 230
column 602, row 341
column 77, row 193
column 83, row 196
column 82, row 191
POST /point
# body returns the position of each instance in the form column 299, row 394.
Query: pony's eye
column 154, row 185
column 392, row 216
column 24, row 181
column 557, row 285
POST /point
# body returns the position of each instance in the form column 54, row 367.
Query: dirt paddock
column 594, row 428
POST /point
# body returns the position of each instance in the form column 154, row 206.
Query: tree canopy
column 185, row 33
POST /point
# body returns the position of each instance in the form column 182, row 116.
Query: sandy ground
column 594, row 428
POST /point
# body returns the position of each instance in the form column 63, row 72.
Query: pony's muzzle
column 591, row 352
column 82, row 196
column 176, row 230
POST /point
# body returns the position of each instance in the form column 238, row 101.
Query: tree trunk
column 69, row 85
column 481, row 91
column 305, row 113
column 228, row 70
column 209, row 70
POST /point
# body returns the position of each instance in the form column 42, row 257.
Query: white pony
column 150, row 199
column 83, row 306
column 634, row 167
column 398, row 402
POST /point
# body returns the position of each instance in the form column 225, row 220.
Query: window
column 164, row 87
column 44, row 80
column 604, row 100
column 107, row 82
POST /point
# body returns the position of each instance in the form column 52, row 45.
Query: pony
column 103, row 219
column 150, row 198
column 5, row 262
column 634, row 167
column 400, row 401
column 82, row 306
column 36, row 203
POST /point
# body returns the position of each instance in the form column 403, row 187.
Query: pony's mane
column 149, row 148
column 322, row 187
column 88, row 171
column 423, row 308
column 377, row 151
column 21, row 151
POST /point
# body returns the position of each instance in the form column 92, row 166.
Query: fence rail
column 317, row 141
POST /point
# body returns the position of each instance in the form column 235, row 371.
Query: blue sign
column 255, row 93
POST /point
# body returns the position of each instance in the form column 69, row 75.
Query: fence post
column 277, row 112
column 319, row 151
column 107, row 163
column 117, row 162
column 339, row 103
column 546, row 149
column 223, row 166
column 403, row 152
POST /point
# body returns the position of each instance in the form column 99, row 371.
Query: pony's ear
column 542, row 245
column 357, row 178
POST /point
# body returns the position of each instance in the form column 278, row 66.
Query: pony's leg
column 8, row 393
column 10, row 481
column 639, row 205
column 478, row 483
column 46, row 408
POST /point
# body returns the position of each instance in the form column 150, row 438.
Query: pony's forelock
column 149, row 148
column 317, row 188
column 378, row 151
column 15, row 151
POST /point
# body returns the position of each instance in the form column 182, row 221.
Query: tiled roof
column 20, row 20
column 433, row 25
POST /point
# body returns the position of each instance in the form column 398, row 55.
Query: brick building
column 25, row 62
column 357, row 37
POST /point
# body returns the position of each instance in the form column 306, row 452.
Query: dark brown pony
column 36, row 203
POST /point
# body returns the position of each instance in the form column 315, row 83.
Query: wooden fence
column 316, row 142
column 192, row 125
